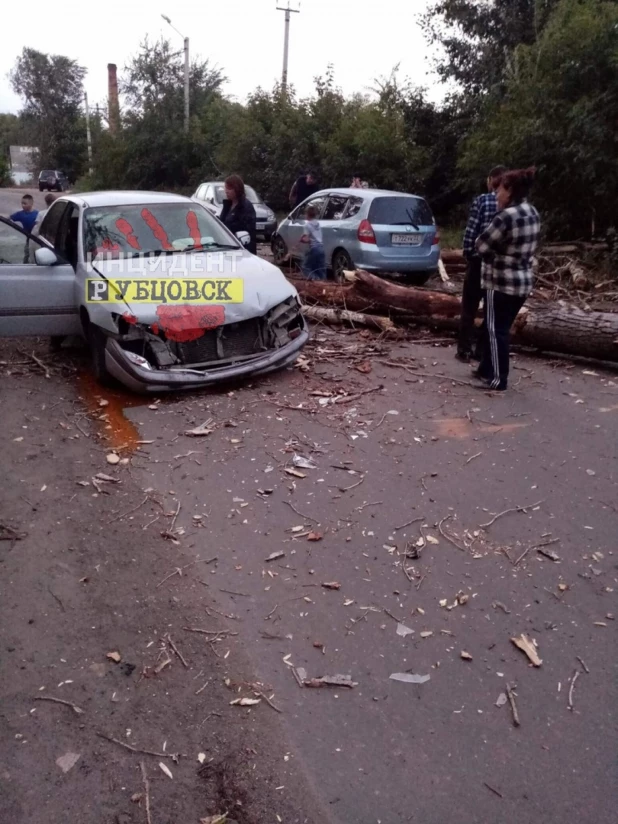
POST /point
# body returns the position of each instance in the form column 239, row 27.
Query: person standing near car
column 507, row 249
column 314, row 264
column 357, row 181
column 49, row 199
column 304, row 187
column 28, row 215
column 238, row 213
column 482, row 213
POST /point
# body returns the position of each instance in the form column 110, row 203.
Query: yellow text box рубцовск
column 165, row 290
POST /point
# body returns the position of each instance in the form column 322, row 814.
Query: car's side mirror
column 45, row 257
column 244, row 238
column 210, row 200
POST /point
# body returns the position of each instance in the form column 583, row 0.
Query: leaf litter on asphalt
column 528, row 647
column 409, row 677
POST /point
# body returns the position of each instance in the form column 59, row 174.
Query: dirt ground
column 182, row 538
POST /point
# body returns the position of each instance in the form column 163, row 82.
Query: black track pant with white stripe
column 500, row 312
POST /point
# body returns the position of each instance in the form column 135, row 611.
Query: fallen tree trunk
column 555, row 327
column 338, row 316
column 452, row 256
column 565, row 328
column 418, row 301
column 373, row 294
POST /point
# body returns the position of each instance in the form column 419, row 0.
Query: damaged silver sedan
column 165, row 295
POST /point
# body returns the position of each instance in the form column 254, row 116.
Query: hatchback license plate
column 406, row 240
column 260, row 226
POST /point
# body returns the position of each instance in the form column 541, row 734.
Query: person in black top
column 305, row 186
column 238, row 213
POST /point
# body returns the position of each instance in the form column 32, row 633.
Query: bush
column 5, row 177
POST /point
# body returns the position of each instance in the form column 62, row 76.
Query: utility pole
column 286, row 43
column 187, row 85
column 88, row 134
column 186, row 48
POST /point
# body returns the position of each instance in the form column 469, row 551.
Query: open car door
column 37, row 289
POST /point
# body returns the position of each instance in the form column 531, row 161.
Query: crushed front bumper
column 143, row 380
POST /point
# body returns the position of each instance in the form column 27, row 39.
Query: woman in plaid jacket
column 507, row 248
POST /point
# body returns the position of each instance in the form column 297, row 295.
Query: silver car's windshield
column 252, row 195
column 152, row 229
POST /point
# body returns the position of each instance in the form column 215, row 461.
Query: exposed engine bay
column 176, row 344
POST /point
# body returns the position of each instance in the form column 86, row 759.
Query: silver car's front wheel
column 280, row 250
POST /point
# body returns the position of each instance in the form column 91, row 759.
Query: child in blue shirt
column 314, row 264
column 28, row 215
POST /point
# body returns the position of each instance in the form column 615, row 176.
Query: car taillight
column 365, row 232
column 436, row 237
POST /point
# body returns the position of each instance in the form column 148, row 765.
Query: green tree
column 12, row 132
column 560, row 112
column 52, row 89
column 152, row 150
column 477, row 38
column 154, row 81
column 5, row 178
column 389, row 137
column 269, row 142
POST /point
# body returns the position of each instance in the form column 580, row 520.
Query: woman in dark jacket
column 238, row 213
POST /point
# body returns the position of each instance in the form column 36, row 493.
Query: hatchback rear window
column 398, row 211
column 48, row 172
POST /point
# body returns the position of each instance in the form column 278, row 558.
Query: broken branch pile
column 581, row 272
column 559, row 327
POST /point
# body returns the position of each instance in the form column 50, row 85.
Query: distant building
column 21, row 159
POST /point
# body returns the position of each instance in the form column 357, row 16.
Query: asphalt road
column 390, row 444
column 87, row 618
column 423, row 448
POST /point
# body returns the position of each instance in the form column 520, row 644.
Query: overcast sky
column 244, row 37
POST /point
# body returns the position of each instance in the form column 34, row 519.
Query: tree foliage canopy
column 560, row 112
column 478, row 38
column 52, row 89
column 389, row 136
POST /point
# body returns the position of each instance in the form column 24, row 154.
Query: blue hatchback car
column 374, row 229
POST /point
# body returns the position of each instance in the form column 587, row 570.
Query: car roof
column 219, row 183
column 133, row 198
column 365, row 193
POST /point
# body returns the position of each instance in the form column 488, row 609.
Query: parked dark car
column 53, row 180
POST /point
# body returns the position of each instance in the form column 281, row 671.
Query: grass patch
column 451, row 237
